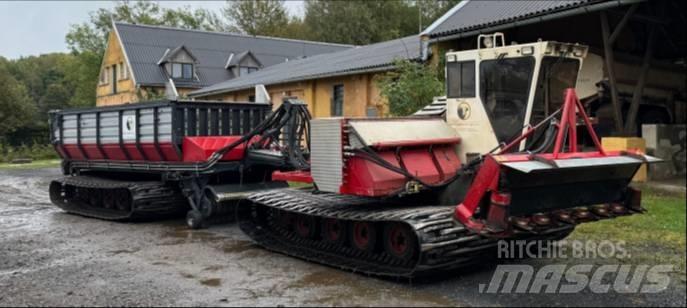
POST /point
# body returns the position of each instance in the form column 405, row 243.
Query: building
column 332, row 84
column 142, row 62
column 637, row 46
column 623, row 42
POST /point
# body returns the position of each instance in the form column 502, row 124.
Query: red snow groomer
column 407, row 196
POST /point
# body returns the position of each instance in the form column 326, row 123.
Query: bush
column 35, row 151
column 409, row 87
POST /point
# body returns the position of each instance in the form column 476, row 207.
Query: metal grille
column 326, row 160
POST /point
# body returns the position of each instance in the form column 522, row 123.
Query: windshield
column 556, row 75
column 504, row 89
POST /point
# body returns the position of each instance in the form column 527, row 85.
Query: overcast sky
column 37, row 27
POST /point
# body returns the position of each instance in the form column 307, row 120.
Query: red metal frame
column 487, row 178
column 292, row 176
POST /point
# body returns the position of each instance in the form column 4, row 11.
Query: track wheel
column 333, row 230
column 399, row 241
column 95, row 197
column 306, row 226
column 122, row 200
column 363, row 236
column 194, row 219
column 109, row 200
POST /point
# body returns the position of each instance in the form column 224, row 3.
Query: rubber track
column 443, row 242
column 149, row 200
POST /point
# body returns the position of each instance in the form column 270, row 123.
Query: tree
column 409, row 87
column 431, row 10
column 359, row 22
column 82, row 73
column 260, row 17
column 16, row 108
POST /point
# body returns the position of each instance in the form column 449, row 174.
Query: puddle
column 238, row 247
column 343, row 287
column 182, row 234
column 211, row 282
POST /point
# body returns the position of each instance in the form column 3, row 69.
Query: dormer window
column 179, row 63
column 243, row 63
column 182, row 71
column 245, row 70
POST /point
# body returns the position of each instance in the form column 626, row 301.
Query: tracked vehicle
column 155, row 159
column 502, row 159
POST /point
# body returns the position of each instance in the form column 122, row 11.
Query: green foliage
column 359, row 22
column 431, row 10
column 262, row 17
column 35, row 152
column 49, row 82
column 348, row 22
column 83, row 74
column 409, row 87
column 16, row 108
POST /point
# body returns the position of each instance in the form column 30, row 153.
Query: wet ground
column 48, row 257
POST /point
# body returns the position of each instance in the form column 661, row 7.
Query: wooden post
column 639, row 88
column 608, row 57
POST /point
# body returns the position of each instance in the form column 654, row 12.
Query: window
column 103, row 76
column 114, row 79
column 504, row 90
column 251, row 98
column 555, row 75
column 460, row 79
column 187, row 71
column 182, row 71
column 337, row 100
column 176, row 70
column 245, row 70
column 122, row 71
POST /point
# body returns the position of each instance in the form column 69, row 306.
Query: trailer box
column 149, row 131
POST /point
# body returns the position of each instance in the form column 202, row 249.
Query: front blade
column 544, row 186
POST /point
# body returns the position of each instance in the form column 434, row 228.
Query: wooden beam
column 622, row 23
column 608, row 58
column 639, row 88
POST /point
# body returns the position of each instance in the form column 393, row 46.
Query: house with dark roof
column 332, row 84
column 143, row 62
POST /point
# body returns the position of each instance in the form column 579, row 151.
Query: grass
column 47, row 163
column 654, row 237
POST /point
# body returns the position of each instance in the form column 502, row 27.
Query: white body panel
column 373, row 132
column 468, row 116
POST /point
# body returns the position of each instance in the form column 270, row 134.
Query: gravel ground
column 48, row 257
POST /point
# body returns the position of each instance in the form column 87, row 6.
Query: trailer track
column 117, row 200
column 441, row 242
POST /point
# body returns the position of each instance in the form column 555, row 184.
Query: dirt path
column 51, row 258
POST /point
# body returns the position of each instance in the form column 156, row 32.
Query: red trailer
column 150, row 159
